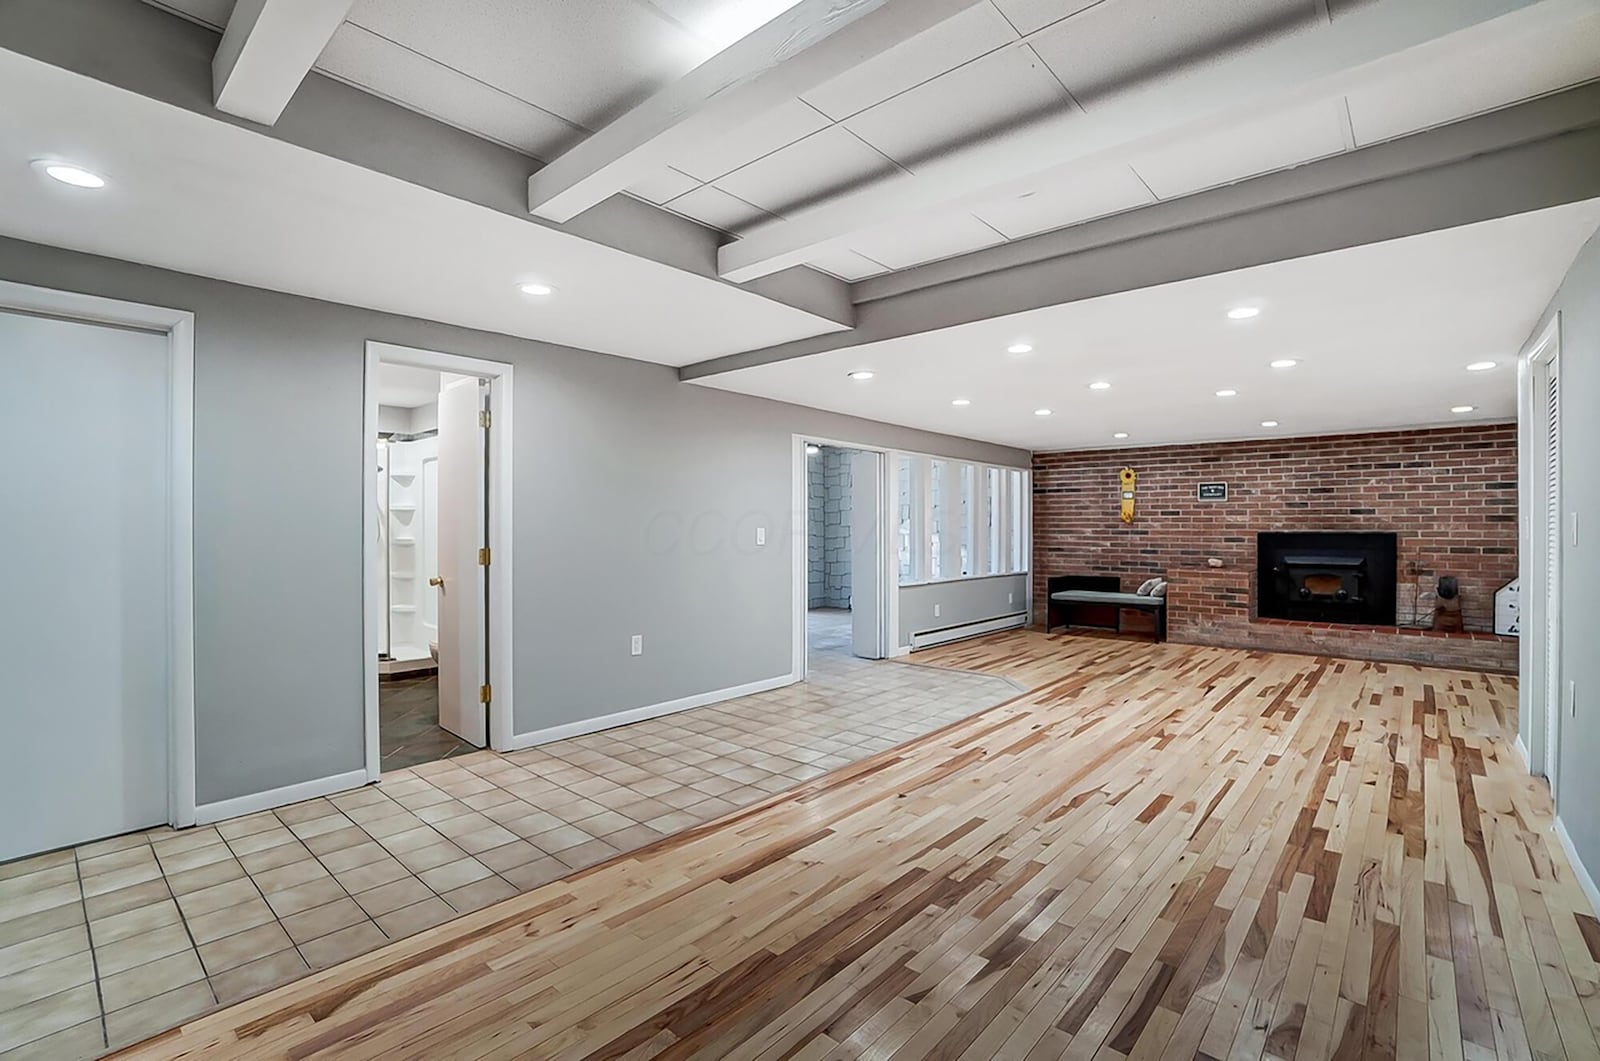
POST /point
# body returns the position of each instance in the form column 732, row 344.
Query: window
column 959, row 520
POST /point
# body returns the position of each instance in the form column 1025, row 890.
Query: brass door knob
column 436, row 581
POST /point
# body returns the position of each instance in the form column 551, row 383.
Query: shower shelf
column 402, row 508
column 403, row 608
column 403, row 541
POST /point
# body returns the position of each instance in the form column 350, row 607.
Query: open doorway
column 843, row 545
column 437, row 608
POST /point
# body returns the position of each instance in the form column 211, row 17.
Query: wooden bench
column 1066, row 594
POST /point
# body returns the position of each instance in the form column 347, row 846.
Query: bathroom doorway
column 437, row 614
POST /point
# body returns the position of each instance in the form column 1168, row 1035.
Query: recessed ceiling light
column 1269, row 423
column 1041, row 412
column 960, row 401
column 1480, row 366
column 861, row 374
column 67, row 173
column 1227, row 393
column 1099, row 385
column 1284, row 362
column 1120, row 434
column 1243, row 313
column 1019, row 348
column 1462, row 408
column 536, row 289
column 813, row 449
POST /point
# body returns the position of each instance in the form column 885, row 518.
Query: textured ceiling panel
column 1002, row 90
column 1282, row 138
column 662, row 185
column 715, row 207
column 925, row 240
column 417, row 82
column 821, row 164
column 1030, row 16
column 778, row 127
column 946, row 46
column 846, row 264
column 587, row 62
column 1509, row 70
column 1122, row 44
column 1067, row 201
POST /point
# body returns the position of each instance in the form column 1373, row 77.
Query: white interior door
column 464, row 590
column 866, row 555
column 86, row 625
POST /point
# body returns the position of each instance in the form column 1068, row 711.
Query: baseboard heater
column 944, row 635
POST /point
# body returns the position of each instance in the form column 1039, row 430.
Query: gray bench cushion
column 1094, row 596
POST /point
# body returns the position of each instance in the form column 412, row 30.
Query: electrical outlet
column 1011, row 598
column 637, row 645
column 761, row 535
column 1572, row 698
column 936, row 611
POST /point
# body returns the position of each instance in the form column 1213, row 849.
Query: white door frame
column 178, row 326
column 889, row 603
column 500, row 377
column 1539, row 705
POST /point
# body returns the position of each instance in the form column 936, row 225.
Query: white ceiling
column 406, row 386
column 1382, row 333
column 190, row 193
column 1012, row 71
column 539, row 75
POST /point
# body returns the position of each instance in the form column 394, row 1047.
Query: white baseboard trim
column 957, row 633
column 641, row 714
column 278, row 797
column 1522, row 753
column 899, row 650
column 1585, row 881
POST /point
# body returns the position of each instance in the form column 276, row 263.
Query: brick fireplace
column 1448, row 496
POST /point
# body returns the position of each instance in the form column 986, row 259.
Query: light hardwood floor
column 1158, row 851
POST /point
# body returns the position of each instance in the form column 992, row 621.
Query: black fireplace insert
column 1328, row 577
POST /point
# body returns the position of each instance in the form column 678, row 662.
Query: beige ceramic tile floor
column 116, row 940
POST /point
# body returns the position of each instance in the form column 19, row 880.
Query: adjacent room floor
column 126, row 937
column 408, row 724
column 828, row 633
column 1160, row 851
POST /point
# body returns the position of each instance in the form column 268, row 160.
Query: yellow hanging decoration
column 1128, row 478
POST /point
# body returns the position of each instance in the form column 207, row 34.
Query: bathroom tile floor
column 408, row 724
column 113, row 941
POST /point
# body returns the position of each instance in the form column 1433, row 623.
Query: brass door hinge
column 483, row 557
column 485, row 694
column 484, row 418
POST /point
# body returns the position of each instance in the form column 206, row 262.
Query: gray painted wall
column 636, row 507
column 967, row 600
column 1578, row 301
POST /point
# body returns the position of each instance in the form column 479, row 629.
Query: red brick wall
column 1449, row 493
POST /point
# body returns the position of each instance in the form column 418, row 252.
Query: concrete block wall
column 828, row 528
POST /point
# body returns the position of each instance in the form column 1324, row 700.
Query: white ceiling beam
column 806, row 45
column 267, row 49
column 1314, row 64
